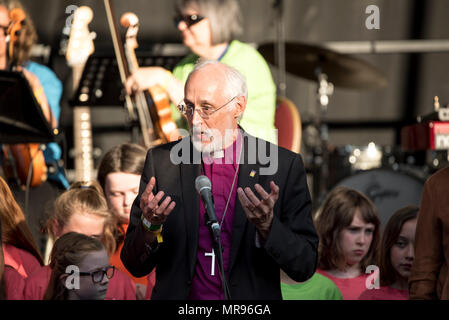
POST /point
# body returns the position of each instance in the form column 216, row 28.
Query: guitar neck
column 84, row 167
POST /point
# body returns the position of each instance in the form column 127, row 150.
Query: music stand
column 21, row 117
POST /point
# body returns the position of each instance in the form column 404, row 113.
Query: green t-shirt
column 258, row 118
column 318, row 287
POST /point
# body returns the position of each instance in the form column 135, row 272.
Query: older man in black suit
column 268, row 228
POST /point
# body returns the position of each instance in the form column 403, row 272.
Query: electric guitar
column 80, row 46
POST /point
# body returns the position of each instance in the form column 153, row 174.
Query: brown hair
column 128, row 158
column 388, row 274
column 69, row 249
column 15, row 229
column 2, row 268
column 28, row 35
column 84, row 198
column 335, row 215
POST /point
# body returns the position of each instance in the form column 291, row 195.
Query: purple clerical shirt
column 206, row 282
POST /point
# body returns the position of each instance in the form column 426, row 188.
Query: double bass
column 23, row 162
column 152, row 105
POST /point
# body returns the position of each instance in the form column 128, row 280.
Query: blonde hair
column 84, row 198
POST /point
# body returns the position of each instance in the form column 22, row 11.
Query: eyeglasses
column 189, row 19
column 98, row 276
column 3, row 30
column 205, row 112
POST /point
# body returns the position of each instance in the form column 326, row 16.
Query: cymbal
column 342, row 70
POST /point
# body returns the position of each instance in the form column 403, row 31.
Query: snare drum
column 388, row 189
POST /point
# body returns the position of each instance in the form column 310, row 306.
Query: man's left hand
column 259, row 212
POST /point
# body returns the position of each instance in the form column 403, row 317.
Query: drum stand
column 321, row 152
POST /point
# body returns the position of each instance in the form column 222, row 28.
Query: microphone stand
column 214, row 229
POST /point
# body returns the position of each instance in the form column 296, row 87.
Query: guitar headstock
column 80, row 45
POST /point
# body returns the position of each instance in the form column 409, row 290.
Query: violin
column 152, row 105
column 25, row 162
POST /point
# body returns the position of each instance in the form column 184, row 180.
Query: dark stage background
column 355, row 117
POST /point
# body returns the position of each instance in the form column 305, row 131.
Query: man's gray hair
column 224, row 16
column 235, row 81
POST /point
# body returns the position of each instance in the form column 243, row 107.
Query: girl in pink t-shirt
column 82, row 209
column 396, row 256
column 348, row 226
column 19, row 250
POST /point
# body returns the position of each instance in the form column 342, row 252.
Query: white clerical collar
column 217, row 154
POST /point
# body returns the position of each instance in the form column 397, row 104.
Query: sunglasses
column 189, row 19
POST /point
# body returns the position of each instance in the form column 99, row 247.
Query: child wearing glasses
column 82, row 209
column 80, row 269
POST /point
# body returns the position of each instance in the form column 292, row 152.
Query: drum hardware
column 389, row 189
column 344, row 71
column 328, row 69
column 439, row 113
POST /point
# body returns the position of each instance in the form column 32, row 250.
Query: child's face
column 356, row 239
column 402, row 252
column 85, row 223
column 88, row 290
column 121, row 189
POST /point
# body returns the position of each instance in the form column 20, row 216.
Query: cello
column 24, row 162
column 152, row 105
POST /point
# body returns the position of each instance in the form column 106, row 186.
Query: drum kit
column 369, row 169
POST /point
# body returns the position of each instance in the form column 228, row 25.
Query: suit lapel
column 248, row 177
column 188, row 173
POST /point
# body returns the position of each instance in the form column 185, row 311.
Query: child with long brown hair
column 396, row 256
column 19, row 248
column 119, row 175
column 349, row 229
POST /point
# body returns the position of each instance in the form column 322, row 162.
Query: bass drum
column 388, row 189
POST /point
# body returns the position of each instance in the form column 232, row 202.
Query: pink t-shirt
column 14, row 284
column 121, row 287
column 350, row 288
column 384, row 293
column 21, row 260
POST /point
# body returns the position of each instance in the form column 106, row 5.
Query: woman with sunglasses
column 209, row 28
column 80, row 269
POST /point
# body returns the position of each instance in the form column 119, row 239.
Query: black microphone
column 204, row 188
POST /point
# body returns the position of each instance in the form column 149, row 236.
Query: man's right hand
column 152, row 210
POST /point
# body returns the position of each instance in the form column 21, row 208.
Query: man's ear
column 240, row 107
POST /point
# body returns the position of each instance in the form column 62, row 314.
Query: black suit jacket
column 253, row 271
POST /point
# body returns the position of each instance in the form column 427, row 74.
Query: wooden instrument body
column 22, row 160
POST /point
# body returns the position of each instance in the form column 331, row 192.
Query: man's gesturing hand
column 259, row 212
column 152, row 210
